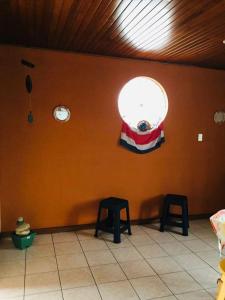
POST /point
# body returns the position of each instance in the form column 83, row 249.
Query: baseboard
column 92, row 225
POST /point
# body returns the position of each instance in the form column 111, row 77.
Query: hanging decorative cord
column 30, row 117
column 28, row 85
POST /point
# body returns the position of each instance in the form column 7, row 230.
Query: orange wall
column 54, row 174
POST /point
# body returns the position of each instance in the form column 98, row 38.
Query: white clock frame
column 58, row 109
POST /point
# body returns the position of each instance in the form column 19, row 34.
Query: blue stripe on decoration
column 134, row 149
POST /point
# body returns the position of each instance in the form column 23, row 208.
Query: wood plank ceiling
column 181, row 31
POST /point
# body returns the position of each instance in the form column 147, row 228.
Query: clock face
column 61, row 113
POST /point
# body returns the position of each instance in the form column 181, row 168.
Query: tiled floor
column 146, row 265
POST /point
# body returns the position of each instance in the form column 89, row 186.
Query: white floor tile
column 197, row 295
column 206, row 255
column 64, row 237
column 212, row 242
column 82, row 293
column 93, row 244
column 121, row 290
column 71, row 261
column 175, row 248
column 212, row 292
column 101, row 257
column 141, row 239
column 136, row 269
column 67, row 248
column 211, row 258
column 45, row 296
column 137, row 229
column 181, row 237
column 124, row 244
column 126, row 254
column 46, row 282
column 150, row 287
column 107, row 273
column 14, row 298
column 162, row 237
column 197, row 245
column 11, row 287
column 190, row 261
column 180, row 282
column 41, row 239
column 12, row 268
column 40, row 251
column 166, row 298
column 76, row 278
column 164, row 265
column 40, row 265
column 207, row 276
column 86, row 234
column 9, row 253
column 150, row 251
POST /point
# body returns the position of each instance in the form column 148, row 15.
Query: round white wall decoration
column 219, row 117
column 61, row 113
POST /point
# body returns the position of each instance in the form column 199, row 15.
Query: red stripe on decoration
column 142, row 139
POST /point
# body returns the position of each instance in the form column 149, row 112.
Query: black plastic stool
column 113, row 223
column 175, row 219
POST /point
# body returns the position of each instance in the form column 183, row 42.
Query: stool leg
column 164, row 217
column 98, row 221
column 128, row 221
column 188, row 216
column 110, row 218
column 185, row 219
column 117, row 226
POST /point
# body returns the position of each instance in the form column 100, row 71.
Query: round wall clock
column 61, row 113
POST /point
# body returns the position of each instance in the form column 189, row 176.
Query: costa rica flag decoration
column 141, row 141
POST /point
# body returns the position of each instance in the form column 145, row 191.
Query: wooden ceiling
column 181, row 31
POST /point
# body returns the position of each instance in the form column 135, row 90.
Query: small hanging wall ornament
column 143, row 106
column 28, row 80
column 29, row 85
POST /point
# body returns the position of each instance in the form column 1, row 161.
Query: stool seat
column 113, row 223
column 175, row 219
column 114, row 203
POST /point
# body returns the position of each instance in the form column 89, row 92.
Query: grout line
column 57, row 267
column 122, row 268
column 142, row 231
column 145, row 259
column 25, row 270
column 195, row 253
column 184, row 270
column 89, row 266
column 168, row 255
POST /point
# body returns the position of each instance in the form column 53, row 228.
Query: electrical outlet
column 200, row 137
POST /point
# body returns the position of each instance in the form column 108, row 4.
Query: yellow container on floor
column 221, row 281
